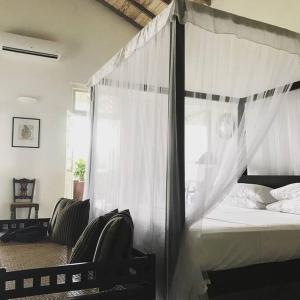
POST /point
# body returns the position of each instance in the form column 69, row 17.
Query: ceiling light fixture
column 29, row 100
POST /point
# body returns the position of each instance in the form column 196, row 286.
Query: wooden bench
column 132, row 278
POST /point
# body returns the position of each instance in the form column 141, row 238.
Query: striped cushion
column 115, row 242
column 84, row 249
column 70, row 222
column 60, row 205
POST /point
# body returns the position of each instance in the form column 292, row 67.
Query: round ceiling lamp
column 28, row 100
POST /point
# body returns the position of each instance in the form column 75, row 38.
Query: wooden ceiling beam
column 207, row 2
column 119, row 13
column 142, row 8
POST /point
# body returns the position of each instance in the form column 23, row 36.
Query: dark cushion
column 85, row 247
column 115, row 242
column 8, row 235
column 28, row 234
column 31, row 234
column 70, row 222
column 60, row 205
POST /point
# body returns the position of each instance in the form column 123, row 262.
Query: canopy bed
column 177, row 116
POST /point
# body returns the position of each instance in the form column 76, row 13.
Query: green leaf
column 80, row 168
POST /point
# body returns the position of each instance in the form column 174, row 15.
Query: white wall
column 282, row 13
column 90, row 35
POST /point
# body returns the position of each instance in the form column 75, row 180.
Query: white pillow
column 286, row 206
column 243, row 202
column 288, row 192
column 253, row 192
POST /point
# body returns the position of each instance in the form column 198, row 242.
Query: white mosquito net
column 238, row 76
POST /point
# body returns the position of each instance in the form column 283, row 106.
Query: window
column 81, row 100
column 77, row 140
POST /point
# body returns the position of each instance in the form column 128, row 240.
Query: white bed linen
column 234, row 237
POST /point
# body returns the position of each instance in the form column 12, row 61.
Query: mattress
column 233, row 237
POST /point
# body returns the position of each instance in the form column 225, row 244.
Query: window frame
column 82, row 90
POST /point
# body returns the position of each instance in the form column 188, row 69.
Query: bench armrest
column 21, row 223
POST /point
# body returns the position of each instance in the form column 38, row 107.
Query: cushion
column 31, row 234
column 28, row 234
column 290, row 191
column 8, row 236
column 115, row 242
column 287, row 206
column 85, row 247
column 60, row 205
column 252, row 192
column 70, row 222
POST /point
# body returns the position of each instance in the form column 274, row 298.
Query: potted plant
column 79, row 173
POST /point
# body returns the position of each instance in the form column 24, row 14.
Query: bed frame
column 278, row 280
column 135, row 277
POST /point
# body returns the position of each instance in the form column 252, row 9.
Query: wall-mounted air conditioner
column 19, row 44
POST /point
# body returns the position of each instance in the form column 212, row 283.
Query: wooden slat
column 140, row 12
column 155, row 7
column 142, row 8
column 119, row 13
column 137, row 12
column 130, row 11
column 206, row 2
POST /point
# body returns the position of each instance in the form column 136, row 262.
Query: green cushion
column 60, row 205
column 70, row 222
column 85, row 247
column 115, row 242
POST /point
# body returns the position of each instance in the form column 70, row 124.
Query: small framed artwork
column 26, row 132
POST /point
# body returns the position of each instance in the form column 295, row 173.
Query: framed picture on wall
column 26, row 132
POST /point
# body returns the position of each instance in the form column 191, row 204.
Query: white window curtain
column 278, row 154
column 232, row 68
column 130, row 136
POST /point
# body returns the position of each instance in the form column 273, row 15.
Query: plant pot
column 78, row 189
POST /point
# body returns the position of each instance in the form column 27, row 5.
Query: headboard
column 270, row 181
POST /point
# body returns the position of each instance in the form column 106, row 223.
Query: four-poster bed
column 179, row 76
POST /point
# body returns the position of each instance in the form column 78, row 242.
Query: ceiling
column 140, row 12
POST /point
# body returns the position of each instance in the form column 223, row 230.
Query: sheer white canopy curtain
column 278, row 154
column 238, row 76
column 130, row 137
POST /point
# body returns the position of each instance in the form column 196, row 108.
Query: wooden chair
column 23, row 192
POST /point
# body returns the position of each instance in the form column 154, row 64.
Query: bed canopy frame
column 177, row 91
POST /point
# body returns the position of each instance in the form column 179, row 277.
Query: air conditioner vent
column 35, row 53
column 18, row 44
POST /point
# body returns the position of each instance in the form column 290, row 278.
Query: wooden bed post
column 175, row 221
column 180, row 109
